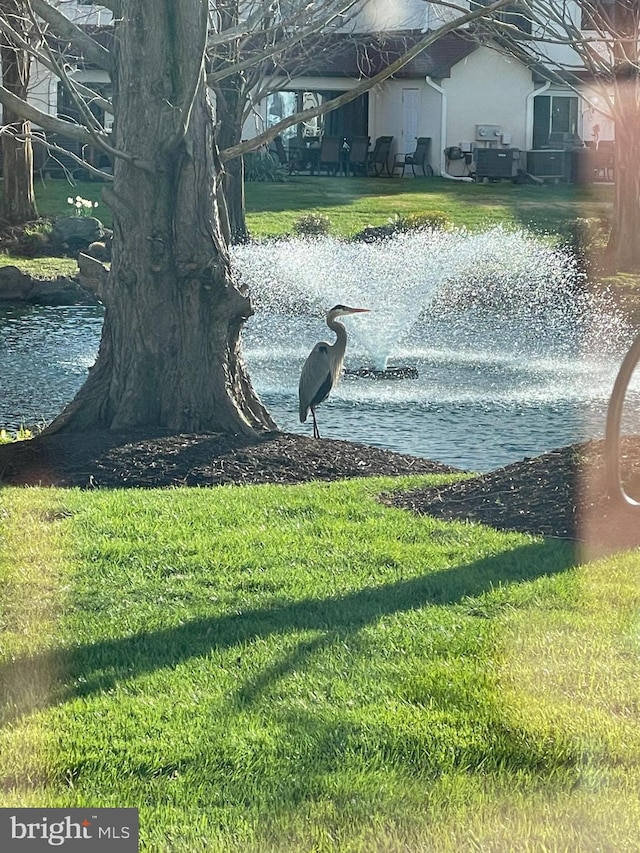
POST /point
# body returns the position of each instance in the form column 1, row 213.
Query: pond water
column 513, row 358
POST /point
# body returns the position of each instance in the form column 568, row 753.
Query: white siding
column 381, row 15
column 487, row 88
column 84, row 14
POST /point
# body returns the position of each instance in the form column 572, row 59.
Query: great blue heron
column 322, row 368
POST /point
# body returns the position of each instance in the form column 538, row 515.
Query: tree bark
column 623, row 249
column 18, row 198
column 231, row 95
column 170, row 350
column 229, row 133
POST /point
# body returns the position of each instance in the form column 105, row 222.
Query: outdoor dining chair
column 330, row 154
column 359, row 155
column 379, row 159
column 418, row 159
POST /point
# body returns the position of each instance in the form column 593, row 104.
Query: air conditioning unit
column 496, row 163
column 547, row 163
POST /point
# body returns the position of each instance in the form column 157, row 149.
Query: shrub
column 372, row 233
column 437, row 220
column 262, row 166
column 312, row 225
column 22, row 434
column 433, row 219
column 30, row 240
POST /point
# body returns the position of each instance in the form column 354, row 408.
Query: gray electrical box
column 497, row 163
column 547, row 163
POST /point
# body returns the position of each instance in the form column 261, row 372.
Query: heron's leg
column 316, row 431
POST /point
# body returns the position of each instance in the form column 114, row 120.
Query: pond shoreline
column 20, row 288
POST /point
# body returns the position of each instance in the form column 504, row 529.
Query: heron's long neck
column 340, row 344
column 338, row 348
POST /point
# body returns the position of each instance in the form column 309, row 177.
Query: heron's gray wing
column 315, row 380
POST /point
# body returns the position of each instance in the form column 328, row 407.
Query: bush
column 585, row 232
column 22, row 434
column 312, row 225
column 30, row 240
column 262, row 166
column 437, row 220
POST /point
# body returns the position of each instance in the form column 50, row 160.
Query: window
column 555, row 118
column 68, row 109
column 510, row 14
column 349, row 120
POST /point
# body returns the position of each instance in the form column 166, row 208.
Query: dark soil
column 558, row 494
column 116, row 460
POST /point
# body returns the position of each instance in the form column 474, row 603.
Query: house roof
column 358, row 55
column 365, row 54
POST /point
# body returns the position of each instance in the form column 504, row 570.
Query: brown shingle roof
column 364, row 55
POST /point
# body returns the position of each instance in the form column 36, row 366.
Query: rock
column 98, row 251
column 18, row 288
column 92, row 273
column 15, row 286
column 76, row 233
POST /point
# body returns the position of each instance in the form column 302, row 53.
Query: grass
column 304, row 669
column 354, row 203
column 296, row 669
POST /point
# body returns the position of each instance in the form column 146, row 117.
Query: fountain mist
column 508, row 343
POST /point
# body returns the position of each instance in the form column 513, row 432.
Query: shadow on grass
column 96, row 667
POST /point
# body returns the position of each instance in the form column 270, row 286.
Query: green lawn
column 304, row 669
column 296, row 669
column 354, row 203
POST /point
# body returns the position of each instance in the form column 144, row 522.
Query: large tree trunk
column 231, row 97
column 229, row 134
column 623, row 250
column 169, row 355
column 18, row 199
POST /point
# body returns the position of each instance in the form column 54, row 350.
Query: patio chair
column 418, row 159
column 359, row 155
column 281, row 152
column 379, row 159
column 288, row 160
column 604, row 160
column 330, row 154
column 296, row 159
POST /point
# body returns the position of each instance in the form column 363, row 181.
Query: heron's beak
column 359, row 310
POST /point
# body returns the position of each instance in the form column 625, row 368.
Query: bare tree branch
column 363, row 86
column 66, row 29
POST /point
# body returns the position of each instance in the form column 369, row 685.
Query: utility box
column 547, row 163
column 488, row 132
column 497, row 163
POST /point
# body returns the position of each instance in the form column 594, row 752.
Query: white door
column 410, row 113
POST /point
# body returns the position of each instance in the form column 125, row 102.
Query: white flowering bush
column 83, row 206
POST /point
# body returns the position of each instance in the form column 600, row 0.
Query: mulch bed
column 116, row 460
column 558, row 494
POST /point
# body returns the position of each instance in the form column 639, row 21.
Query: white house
column 460, row 94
